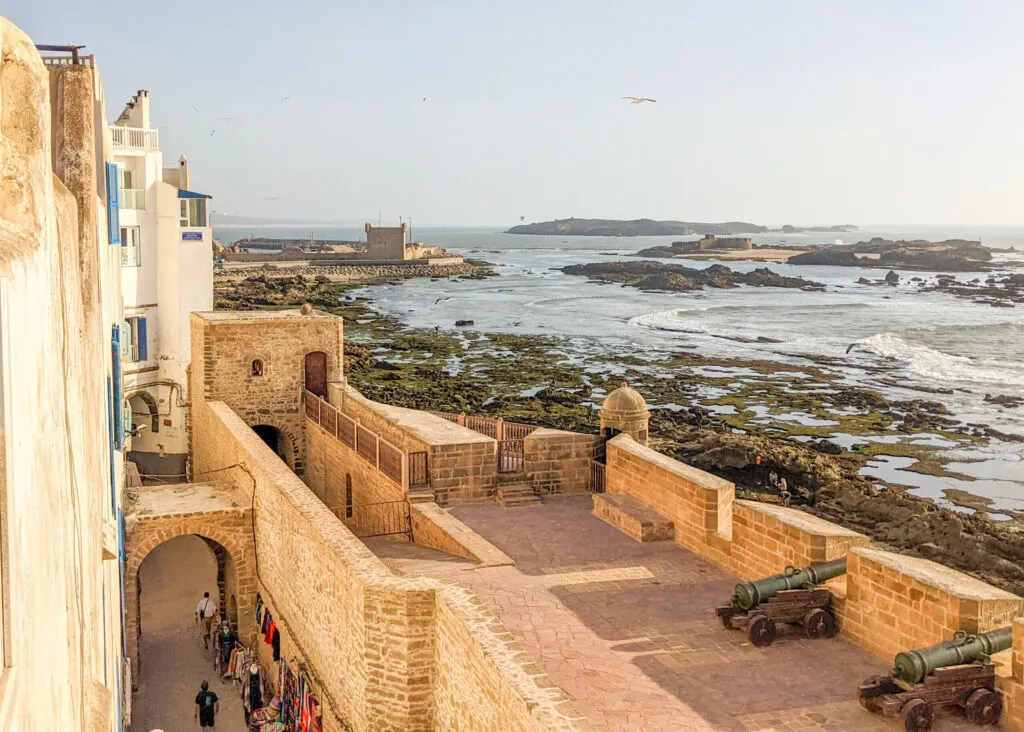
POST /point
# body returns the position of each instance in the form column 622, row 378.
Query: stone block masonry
column 631, row 517
column 224, row 347
column 886, row 602
column 334, row 469
column 557, row 461
column 392, row 653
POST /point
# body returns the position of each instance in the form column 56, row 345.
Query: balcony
column 133, row 198
column 135, row 138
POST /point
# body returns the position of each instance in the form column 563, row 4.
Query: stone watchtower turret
column 624, row 410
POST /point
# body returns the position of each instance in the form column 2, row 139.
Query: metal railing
column 137, row 138
column 597, row 476
column 497, row 429
column 370, row 446
column 376, row 519
column 510, row 456
column 133, row 198
column 68, row 61
column 419, row 474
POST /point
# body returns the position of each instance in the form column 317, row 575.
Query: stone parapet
column 895, row 602
column 434, row 527
column 558, row 461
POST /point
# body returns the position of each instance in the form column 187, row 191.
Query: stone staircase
column 421, row 495
column 515, row 489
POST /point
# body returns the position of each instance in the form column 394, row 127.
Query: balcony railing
column 134, row 198
column 135, row 138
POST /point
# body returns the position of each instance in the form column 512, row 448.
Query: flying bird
column 424, row 99
column 213, row 132
column 195, row 108
column 522, row 219
column 440, row 299
column 285, row 99
column 640, row 100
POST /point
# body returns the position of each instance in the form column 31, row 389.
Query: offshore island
column 651, row 227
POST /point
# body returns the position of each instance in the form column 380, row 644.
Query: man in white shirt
column 205, row 611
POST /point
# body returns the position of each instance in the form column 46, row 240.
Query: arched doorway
column 276, row 441
column 171, row 657
column 144, row 428
column 316, row 373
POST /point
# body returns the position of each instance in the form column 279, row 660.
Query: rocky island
column 651, row 227
column 951, row 255
column 677, row 278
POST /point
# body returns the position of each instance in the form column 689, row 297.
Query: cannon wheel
column 917, row 715
column 819, row 623
column 983, row 707
column 761, row 631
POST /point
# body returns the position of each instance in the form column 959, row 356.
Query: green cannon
column 955, row 673
column 749, row 595
column 913, row 666
column 790, row 597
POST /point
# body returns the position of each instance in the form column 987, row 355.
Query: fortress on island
column 412, row 570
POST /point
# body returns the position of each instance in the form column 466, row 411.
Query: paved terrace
column 628, row 629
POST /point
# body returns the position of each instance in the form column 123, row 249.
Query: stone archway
column 218, row 518
column 283, row 445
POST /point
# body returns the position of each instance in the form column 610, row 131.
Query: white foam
column 935, row 365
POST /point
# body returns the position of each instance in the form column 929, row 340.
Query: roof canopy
column 191, row 194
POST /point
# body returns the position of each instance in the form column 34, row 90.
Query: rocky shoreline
column 697, row 405
column 677, row 278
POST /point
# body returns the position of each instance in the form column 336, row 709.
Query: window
column 256, row 368
column 130, row 255
column 193, row 212
column 135, row 346
column 348, row 495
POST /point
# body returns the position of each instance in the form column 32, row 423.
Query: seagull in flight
column 213, row 132
column 440, row 299
column 522, row 219
column 424, row 99
column 285, row 99
column 640, row 100
column 195, row 108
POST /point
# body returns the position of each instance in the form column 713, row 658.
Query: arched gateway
column 219, row 514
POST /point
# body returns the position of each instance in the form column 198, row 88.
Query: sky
column 790, row 111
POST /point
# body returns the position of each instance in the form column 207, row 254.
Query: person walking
column 207, row 706
column 784, row 491
column 204, row 616
column 225, row 645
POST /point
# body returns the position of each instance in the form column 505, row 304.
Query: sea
column 933, row 340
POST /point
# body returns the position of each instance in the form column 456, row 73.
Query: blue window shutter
column 110, row 431
column 140, row 326
column 115, row 407
column 113, row 204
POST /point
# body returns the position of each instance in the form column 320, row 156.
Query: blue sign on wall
column 191, row 236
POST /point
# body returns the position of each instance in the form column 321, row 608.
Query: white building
column 167, row 272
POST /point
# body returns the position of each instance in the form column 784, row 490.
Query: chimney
column 184, row 177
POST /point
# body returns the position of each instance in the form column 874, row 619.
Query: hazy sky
column 772, row 112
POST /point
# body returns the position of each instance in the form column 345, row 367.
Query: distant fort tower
column 386, row 242
column 624, row 410
column 710, row 241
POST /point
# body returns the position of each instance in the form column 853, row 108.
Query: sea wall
column 389, row 652
column 886, row 602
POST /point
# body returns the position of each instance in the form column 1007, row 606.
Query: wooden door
column 316, row 373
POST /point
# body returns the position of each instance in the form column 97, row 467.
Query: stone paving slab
column 641, row 649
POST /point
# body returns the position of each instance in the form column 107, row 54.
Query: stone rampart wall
column 886, row 603
column 557, row 461
column 390, row 653
column 331, row 463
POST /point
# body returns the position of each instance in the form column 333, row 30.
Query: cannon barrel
column 749, row 595
column 913, row 666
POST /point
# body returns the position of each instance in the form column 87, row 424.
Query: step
column 512, row 478
column 632, row 518
column 516, row 494
column 421, row 495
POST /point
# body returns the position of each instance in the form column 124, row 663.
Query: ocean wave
column 930, row 364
